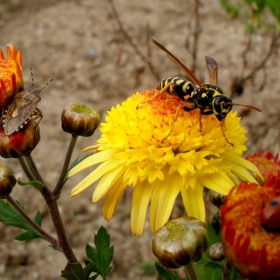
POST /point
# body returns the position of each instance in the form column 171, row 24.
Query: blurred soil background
column 79, row 44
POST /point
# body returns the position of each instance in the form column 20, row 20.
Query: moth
column 22, row 109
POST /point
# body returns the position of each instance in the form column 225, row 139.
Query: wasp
column 23, row 107
column 208, row 97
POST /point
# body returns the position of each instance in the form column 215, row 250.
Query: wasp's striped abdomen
column 181, row 88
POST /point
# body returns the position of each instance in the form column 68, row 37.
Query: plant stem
column 57, row 222
column 36, row 227
column 191, row 271
column 34, row 170
column 28, row 173
column 54, row 212
column 60, row 182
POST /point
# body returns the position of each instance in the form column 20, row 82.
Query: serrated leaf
column 165, row 274
column 10, row 216
column 72, row 271
column 88, row 270
column 104, row 251
column 91, row 253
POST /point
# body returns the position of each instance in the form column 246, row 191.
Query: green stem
column 57, row 222
column 191, row 271
column 36, row 227
column 28, row 173
column 61, row 180
column 34, row 170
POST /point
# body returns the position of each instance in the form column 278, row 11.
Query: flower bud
column 20, row 143
column 79, row 120
column 216, row 252
column 7, row 181
column 180, row 241
column 216, row 199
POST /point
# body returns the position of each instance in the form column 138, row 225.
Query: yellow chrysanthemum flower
column 11, row 81
column 139, row 149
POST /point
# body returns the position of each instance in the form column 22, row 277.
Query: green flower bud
column 180, row 242
column 216, row 199
column 79, row 120
column 216, row 252
column 20, row 143
column 7, row 181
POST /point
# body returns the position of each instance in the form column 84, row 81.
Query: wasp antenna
column 248, row 106
column 32, row 77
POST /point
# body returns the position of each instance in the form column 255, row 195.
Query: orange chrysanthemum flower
column 268, row 166
column 142, row 147
column 11, row 81
column 250, row 247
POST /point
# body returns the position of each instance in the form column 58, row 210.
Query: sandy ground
column 78, row 44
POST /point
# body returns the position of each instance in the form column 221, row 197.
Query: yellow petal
column 230, row 156
column 163, row 199
column 193, row 201
column 106, row 182
column 94, row 176
column 112, row 199
column 92, row 160
column 217, row 182
column 141, row 198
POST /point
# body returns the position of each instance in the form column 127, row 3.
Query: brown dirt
column 77, row 43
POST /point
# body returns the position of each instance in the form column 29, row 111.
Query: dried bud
column 20, row 143
column 216, row 252
column 216, row 199
column 7, row 181
column 180, row 242
column 79, row 120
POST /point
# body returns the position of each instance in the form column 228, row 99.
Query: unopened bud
column 79, row 120
column 216, row 252
column 7, row 181
column 180, row 241
column 20, row 143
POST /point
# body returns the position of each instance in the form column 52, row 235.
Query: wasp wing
column 174, row 59
column 212, row 67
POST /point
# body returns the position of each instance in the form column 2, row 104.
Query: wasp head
column 222, row 105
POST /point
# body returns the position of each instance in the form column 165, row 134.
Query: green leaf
column 104, row 252
column 208, row 270
column 88, row 270
column 165, row 274
column 91, row 253
column 72, row 271
column 213, row 237
column 27, row 236
column 10, row 216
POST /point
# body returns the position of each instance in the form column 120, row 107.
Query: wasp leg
column 173, row 124
column 222, row 128
column 158, row 93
